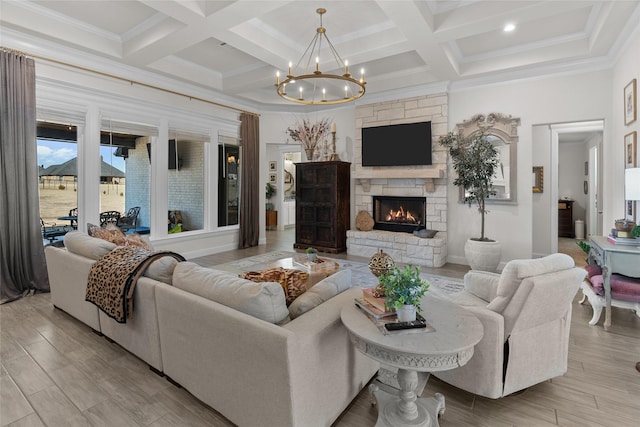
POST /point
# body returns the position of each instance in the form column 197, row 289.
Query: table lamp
column 632, row 184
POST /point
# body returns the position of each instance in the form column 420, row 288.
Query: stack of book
column 622, row 238
column 375, row 306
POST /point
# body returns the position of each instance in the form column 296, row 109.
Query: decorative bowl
column 624, row 225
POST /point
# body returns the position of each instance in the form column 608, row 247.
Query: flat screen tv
column 406, row 144
column 174, row 161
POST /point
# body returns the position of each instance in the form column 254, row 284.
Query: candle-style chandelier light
column 313, row 87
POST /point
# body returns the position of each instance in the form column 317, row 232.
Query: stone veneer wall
column 422, row 181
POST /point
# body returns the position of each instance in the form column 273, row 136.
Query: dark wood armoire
column 323, row 199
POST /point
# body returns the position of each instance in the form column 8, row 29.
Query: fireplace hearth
column 401, row 214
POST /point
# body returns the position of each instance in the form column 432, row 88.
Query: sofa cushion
column 293, row 281
column 162, row 269
column 82, row 244
column 622, row 287
column 322, row 291
column 261, row 300
column 593, row 270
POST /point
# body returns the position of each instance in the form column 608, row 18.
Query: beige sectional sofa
column 228, row 341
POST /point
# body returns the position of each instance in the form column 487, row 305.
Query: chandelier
column 315, row 87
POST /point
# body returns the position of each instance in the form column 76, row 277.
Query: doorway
column 570, row 154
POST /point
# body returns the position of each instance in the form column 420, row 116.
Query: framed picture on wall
column 630, row 150
column 272, row 178
column 273, row 166
column 630, row 103
column 630, row 161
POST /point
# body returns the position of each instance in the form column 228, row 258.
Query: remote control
column 404, row 325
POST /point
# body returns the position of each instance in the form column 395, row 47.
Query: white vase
column 311, row 257
column 483, row 256
column 406, row 313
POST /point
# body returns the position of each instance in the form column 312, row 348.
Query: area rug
column 360, row 274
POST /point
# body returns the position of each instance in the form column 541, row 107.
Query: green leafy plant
column 475, row 161
column 311, row 250
column 403, row 287
column 635, row 231
column 270, row 191
column 584, row 246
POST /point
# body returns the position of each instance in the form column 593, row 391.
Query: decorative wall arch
column 504, row 132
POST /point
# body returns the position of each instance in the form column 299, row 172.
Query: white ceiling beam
column 198, row 28
column 415, row 23
column 481, row 17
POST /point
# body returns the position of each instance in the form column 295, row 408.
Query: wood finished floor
column 55, row 372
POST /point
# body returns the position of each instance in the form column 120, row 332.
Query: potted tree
column 475, row 161
column 403, row 290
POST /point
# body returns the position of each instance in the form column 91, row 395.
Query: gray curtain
column 250, row 187
column 22, row 264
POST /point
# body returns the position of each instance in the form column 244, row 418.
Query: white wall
column 274, row 138
column 552, row 100
column 626, row 69
column 541, row 209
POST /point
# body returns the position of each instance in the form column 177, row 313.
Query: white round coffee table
column 457, row 331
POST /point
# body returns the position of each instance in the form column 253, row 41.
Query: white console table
column 621, row 259
column 451, row 345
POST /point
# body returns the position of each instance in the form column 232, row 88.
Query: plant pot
column 312, row 257
column 483, row 256
column 406, row 313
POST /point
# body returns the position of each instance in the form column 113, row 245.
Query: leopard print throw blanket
column 113, row 278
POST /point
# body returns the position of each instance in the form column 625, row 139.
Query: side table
column 449, row 346
column 613, row 258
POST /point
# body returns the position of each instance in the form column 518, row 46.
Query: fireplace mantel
column 364, row 176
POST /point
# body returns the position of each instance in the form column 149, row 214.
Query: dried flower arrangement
column 309, row 135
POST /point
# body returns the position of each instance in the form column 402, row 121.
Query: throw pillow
column 292, row 281
column 593, row 270
column 322, row 291
column 112, row 233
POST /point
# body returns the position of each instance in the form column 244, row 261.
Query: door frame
column 556, row 130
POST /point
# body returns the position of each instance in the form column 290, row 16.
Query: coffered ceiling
column 235, row 47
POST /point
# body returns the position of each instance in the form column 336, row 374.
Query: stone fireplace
column 428, row 183
column 402, row 214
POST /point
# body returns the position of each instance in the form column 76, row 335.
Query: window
column 57, row 172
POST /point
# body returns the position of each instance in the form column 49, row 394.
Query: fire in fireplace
column 404, row 214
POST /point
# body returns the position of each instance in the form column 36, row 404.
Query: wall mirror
column 502, row 131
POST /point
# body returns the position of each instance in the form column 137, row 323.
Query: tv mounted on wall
column 174, row 161
column 406, row 144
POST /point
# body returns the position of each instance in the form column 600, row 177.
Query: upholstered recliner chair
column 526, row 314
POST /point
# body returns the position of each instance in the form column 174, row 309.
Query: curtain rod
column 133, row 82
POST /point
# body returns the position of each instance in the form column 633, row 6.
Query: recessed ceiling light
column 509, row 28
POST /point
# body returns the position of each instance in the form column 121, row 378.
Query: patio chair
column 51, row 231
column 109, row 217
column 74, row 222
column 130, row 220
